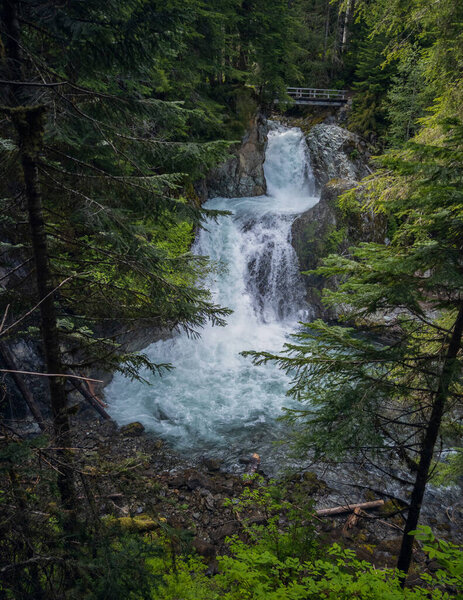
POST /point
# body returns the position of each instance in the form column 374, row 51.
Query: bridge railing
column 316, row 94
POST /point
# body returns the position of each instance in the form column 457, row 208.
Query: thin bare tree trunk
column 347, row 19
column 327, row 28
column 427, row 449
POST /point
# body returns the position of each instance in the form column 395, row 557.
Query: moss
column 311, row 483
column 388, row 508
column 138, row 524
column 370, row 496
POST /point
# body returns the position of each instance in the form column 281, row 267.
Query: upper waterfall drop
column 215, row 401
column 287, row 169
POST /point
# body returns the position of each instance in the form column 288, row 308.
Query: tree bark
column 28, row 121
column 345, row 31
column 327, row 29
column 427, row 448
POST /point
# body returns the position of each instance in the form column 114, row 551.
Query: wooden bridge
column 317, row 97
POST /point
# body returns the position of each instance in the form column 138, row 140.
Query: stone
column 226, row 530
column 242, row 175
column 336, row 153
column 209, row 501
column 134, row 429
column 312, row 235
column 212, row 464
column 339, row 159
column 196, row 480
column 191, row 480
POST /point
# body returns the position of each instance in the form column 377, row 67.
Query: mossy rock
column 388, row 508
column 139, row 524
column 134, row 429
column 311, row 482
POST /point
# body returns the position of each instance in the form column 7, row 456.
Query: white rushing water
column 216, row 402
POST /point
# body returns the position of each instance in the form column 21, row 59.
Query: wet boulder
column 336, row 153
column 134, row 429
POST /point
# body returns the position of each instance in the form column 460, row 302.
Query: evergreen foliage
column 392, row 383
column 111, row 112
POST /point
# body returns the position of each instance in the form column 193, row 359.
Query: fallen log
column 339, row 510
column 22, row 386
column 92, row 400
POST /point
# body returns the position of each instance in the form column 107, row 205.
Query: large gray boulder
column 336, row 153
column 315, row 234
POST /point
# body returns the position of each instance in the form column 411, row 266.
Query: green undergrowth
column 255, row 573
column 279, row 556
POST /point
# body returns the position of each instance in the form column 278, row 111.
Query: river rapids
column 215, row 402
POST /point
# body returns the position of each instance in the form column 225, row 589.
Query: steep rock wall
column 243, row 173
column 339, row 160
column 337, row 153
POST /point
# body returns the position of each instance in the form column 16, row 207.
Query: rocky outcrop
column 243, row 174
column 314, row 236
column 336, row 153
column 339, row 160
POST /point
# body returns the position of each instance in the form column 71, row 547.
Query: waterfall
column 215, row 401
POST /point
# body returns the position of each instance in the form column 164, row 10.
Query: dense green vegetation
column 391, row 383
column 111, row 113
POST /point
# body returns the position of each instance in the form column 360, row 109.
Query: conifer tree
column 388, row 385
column 91, row 170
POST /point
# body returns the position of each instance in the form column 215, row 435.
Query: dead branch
column 339, row 510
column 67, row 375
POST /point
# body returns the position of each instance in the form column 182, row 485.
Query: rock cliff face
column 336, row 154
column 243, row 174
column 339, row 160
column 314, row 236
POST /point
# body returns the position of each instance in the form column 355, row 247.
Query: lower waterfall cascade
column 215, row 402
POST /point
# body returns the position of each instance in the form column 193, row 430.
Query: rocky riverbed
column 145, row 485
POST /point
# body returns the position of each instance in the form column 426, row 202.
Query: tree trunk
column 345, row 31
column 427, row 449
column 28, row 122
column 327, row 29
